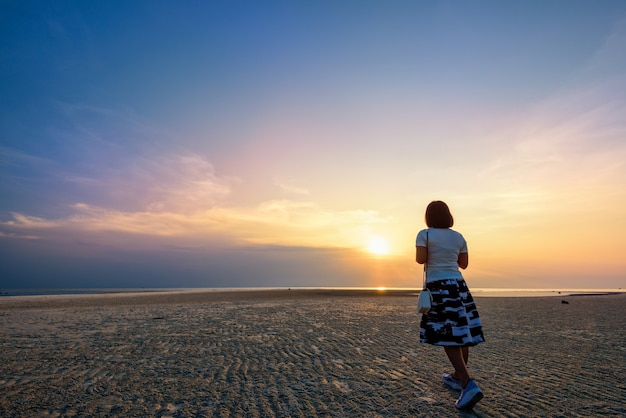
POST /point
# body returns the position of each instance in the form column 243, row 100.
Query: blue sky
column 204, row 144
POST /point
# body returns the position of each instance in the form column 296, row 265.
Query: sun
column 378, row 246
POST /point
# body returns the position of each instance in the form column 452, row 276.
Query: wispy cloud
column 181, row 183
column 272, row 222
column 291, row 188
column 609, row 60
column 182, row 196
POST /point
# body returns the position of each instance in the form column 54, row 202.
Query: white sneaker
column 470, row 395
column 451, row 381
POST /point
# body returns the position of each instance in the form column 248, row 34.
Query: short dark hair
column 438, row 215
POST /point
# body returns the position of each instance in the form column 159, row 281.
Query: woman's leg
column 465, row 351
column 456, row 355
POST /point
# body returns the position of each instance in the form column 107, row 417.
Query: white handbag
column 425, row 299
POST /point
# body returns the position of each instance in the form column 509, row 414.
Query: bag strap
column 425, row 269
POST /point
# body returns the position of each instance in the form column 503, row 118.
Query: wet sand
column 302, row 353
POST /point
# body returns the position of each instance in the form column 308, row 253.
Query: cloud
column 571, row 137
column 113, row 186
column 10, row 156
column 116, row 158
column 275, row 222
column 13, row 235
column 289, row 188
column 272, row 222
column 609, row 59
column 181, row 183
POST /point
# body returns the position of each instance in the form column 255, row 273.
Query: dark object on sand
column 565, row 302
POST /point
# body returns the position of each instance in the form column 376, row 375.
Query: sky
column 298, row 143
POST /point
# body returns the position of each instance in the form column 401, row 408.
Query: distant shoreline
column 327, row 291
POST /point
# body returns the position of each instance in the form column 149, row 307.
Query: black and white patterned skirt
column 453, row 320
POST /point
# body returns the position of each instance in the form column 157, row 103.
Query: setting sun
column 378, row 246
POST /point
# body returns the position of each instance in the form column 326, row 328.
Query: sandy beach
column 302, row 353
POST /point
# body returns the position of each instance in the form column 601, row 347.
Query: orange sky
column 276, row 149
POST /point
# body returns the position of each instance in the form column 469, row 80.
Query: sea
column 476, row 292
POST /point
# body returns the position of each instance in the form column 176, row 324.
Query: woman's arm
column 421, row 254
column 463, row 260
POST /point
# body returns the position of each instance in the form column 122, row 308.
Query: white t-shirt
column 444, row 247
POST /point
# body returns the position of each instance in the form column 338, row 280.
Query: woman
column 453, row 320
